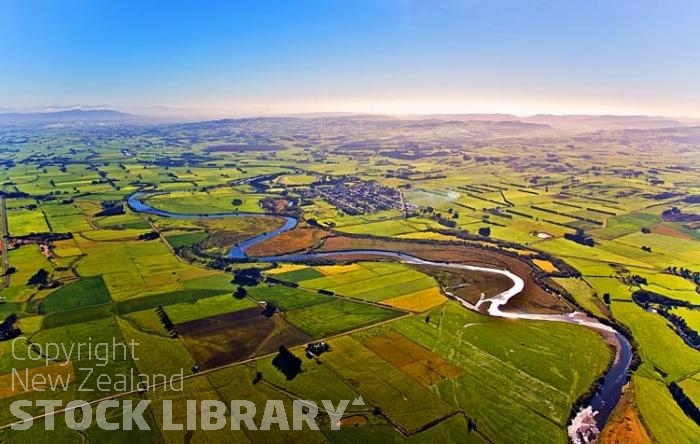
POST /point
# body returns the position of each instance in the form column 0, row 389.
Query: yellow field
column 331, row 270
column 7, row 389
column 419, row 301
column 424, row 366
column 30, row 324
column 67, row 248
column 135, row 268
column 428, row 235
column 283, row 268
column 545, row 265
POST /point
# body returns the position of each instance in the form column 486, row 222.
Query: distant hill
column 74, row 116
column 584, row 122
column 577, row 123
column 467, row 117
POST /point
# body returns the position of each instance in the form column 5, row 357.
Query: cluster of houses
column 314, row 349
column 354, row 197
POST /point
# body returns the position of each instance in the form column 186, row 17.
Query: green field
column 186, row 240
column 285, row 297
column 153, row 301
column 371, row 281
column 336, row 316
column 83, row 293
column 206, row 307
column 218, row 201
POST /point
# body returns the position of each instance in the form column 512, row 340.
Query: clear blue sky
column 618, row 56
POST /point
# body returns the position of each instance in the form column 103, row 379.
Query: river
column 238, row 251
column 600, row 405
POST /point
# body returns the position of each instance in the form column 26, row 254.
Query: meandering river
column 237, row 252
column 601, row 404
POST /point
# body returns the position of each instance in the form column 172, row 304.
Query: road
column 403, row 205
column 5, row 255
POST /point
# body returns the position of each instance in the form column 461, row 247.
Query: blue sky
column 566, row 56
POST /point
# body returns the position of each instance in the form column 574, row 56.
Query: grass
column 661, row 414
column 691, row 387
column 422, row 365
column 131, row 268
column 419, row 301
column 692, row 317
column 215, row 201
column 186, row 239
column 384, row 386
column 370, row 281
column 661, row 346
column 337, row 316
column 163, row 299
column 105, row 362
column 77, row 315
column 299, row 275
column 206, row 307
column 23, row 222
column 122, row 221
column 194, row 389
column 155, row 354
column 286, row 298
column 93, row 434
column 236, row 383
column 628, row 223
column 10, row 385
column 83, row 293
column 500, row 358
column 584, row 295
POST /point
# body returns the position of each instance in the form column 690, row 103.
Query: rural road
column 5, row 254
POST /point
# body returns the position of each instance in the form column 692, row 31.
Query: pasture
column 384, row 386
column 337, row 316
column 83, row 293
column 500, row 358
column 286, row 298
column 422, row 365
column 215, row 201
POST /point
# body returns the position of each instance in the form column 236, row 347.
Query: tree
column 151, row 235
column 41, row 277
column 485, row 231
column 270, row 310
column 8, row 329
column 287, row 363
column 606, row 298
column 240, row 293
column 236, row 202
column 247, row 276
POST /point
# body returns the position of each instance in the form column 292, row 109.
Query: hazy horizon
column 194, row 114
